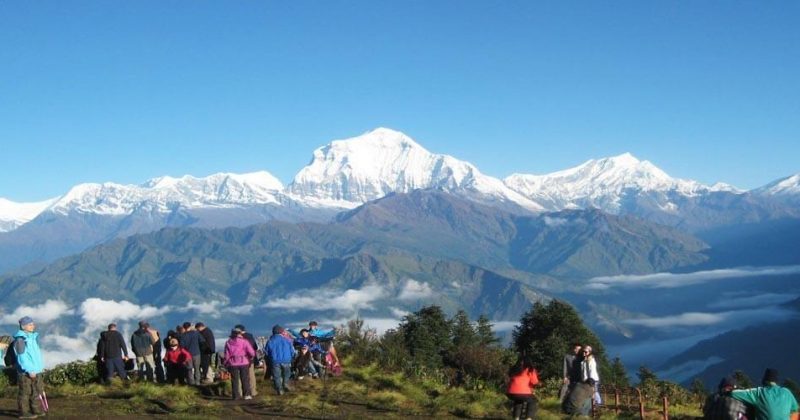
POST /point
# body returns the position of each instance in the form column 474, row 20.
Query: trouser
column 161, row 376
column 281, row 372
column 239, row 376
column 176, row 372
column 521, row 400
column 147, row 366
column 194, row 379
column 116, row 365
column 205, row 363
column 251, row 374
column 28, row 396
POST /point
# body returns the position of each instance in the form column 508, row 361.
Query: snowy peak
column 784, row 187
column 602, row 183
column 163, row 193
column 384, row 161
column 14, row 215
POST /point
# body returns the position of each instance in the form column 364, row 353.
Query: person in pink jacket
column 238, row 354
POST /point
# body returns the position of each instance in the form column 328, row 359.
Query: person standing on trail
column 238, row 355
column 571, row 370
column 142, row 346
column 589, row 372
column 280, row 353
column 207, row 350
column 29, row 366
column 113, row 353
column 251, row 371
column 191, row 340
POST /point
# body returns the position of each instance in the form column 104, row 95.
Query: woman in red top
column 521, row 380
column 178, row 361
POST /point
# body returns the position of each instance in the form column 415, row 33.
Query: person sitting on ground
column 578, row 401
column 721, row 406
column 304, row 364
column 521, row 379
column 178, row 362
column 238, row 356
column 280, row 353
column 770, row 401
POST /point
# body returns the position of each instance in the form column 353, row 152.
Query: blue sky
column 126, row 91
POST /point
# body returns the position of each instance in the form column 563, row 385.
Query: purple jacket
column 238, row 352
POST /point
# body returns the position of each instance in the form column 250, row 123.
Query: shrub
column 75, row 373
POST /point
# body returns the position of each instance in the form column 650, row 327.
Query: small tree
column 464, row 333
column 646, row 375
column 427, row 337
column 485, row 331
column 546, row 332
column 617, row 375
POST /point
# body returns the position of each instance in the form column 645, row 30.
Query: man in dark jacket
column 280, row 352
column 142, row 346
column 571, row 370
column 113, row 353
column 191, row 340
column 207, row 350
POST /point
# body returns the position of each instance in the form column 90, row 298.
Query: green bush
column 75, row 373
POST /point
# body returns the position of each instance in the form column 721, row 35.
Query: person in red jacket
column 178, row 361
column 521, row 379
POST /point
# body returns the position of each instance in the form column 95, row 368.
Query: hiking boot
column 247, row 397
column 287, row 389
column 280, row 392
column 300, row 378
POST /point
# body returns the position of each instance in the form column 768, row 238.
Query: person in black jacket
column 207, row 350
column 191, row 340
column 113, row 353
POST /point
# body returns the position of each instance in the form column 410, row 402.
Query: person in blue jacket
column 280, row 353
column 29, row 366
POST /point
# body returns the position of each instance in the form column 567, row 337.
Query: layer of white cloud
column 750, row 301
column 731, row 318
column 216, row 308
column 414, row 290
column 349, row 301
column 688, row 319
column 46, row 312
column 670, row 280
column 98, row 313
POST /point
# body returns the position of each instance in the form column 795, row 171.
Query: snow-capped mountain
column 13, row 215
column 166, row 193
column 788, row 187
column 606, row 183
column 364, row 168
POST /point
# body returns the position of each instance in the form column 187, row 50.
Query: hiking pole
column 43, row 400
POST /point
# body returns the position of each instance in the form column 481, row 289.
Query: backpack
column 10, row 358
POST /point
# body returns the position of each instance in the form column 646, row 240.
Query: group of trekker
column 580, row 389
column 580, row 384
column 191, row 350
column 189, row 353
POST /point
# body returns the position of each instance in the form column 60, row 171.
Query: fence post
column 666, row 408
column 616, row 401
column 641, row 403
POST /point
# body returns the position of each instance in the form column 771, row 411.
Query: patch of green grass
column 386, row 400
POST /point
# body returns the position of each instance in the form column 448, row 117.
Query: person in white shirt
column 589, row 372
